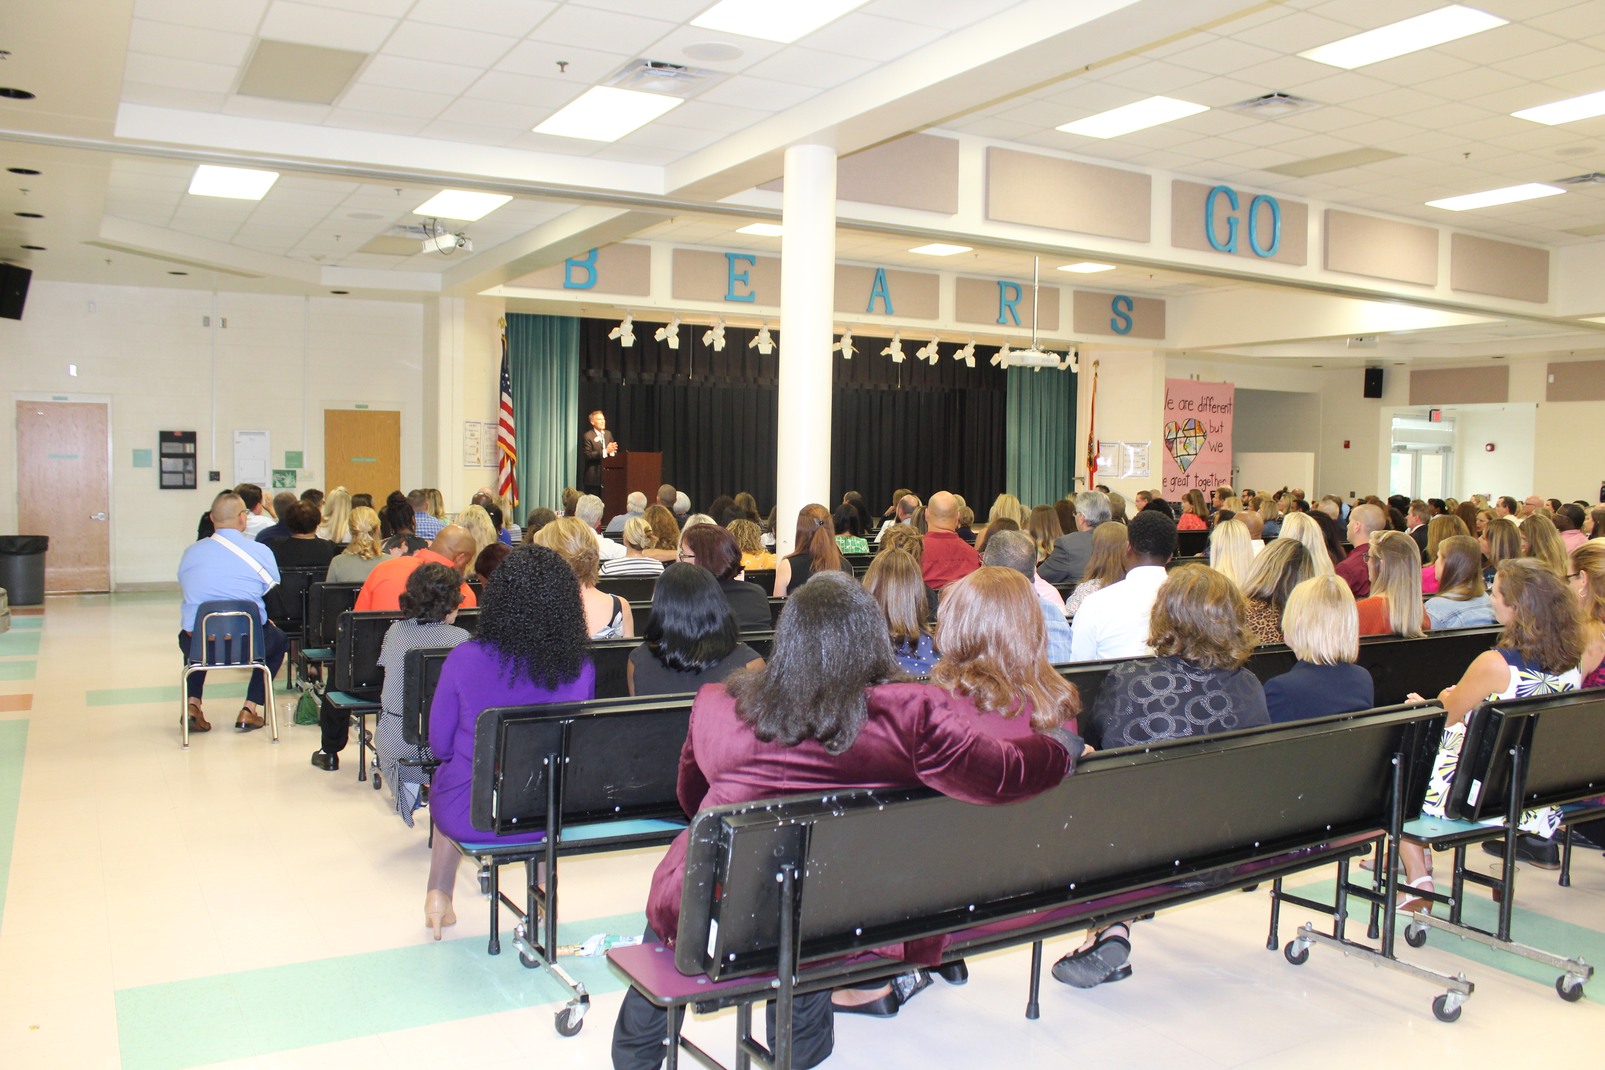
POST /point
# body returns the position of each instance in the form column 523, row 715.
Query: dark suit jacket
column 1420, row 536
column 1069, row 558
column 593, row 452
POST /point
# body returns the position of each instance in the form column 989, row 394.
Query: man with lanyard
column 228, row 565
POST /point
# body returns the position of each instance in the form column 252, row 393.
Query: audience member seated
column 1539, row 651
column 1587, row 580
column 901, row 513
column 1113, row 621
column 1106, row 565
column 530, row 648
column 665, row 545
column 1331, row 537
column 947, row 557
column 1594, row 526
column 1194, row 513
column 1229, row 552
column 476, row 521
column 747, row 508
column 1002, row 523
column 228, row 565
column 1439, row 528
column 607, row 616
column 1194, row 685
column 1499, row 542
column 1461, row 600
column 257, row 520
column 498, row 520
column 820, row 716
column 1415, row 525
column 1364, row 520
column 489, row 558
column 1540, row 541
column 635, row 562
column 429, row 615
column 755, row 556
column 849, row 521
column 1017, row 551
column 714, row 549
column 381, row 591
column 336, row 525
column 691, row 637
column 1283, row 566
column 814, row 550
column 1394, row 605
column 278, row 529
column 894, row 581
column 634, row 506
column 1467, row 512
column 362, row 554
column 538, row 518
column 303, row 548
column 589, row 509
column 424, row 522
column 397, row 524
column 1044, row 529
column 1307, row 530
column 1068, row 560
column 1323, row 629
column 1569, row 520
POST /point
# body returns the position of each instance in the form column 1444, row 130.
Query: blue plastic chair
column 227, row 635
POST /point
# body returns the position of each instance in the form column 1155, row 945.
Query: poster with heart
column 1197, row 436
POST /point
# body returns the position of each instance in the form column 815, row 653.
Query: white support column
column 807, row 317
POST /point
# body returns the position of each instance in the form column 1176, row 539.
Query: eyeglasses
column 1573, row 575
column 686, row 557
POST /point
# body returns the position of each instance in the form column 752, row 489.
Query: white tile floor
column 136, row 863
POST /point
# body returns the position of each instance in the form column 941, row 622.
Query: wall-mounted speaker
column 13, row 290
column 1373, row 382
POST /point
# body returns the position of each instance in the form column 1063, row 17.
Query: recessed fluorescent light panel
column 1488, row 198
column 763, row 230
column 1586, row 106
column 1086, row 267
column 1401, row 38
column 784, row 21
column 461, row 204
column 1133, row 117
column 937, row 248
column 236, row 183
column 602, row 113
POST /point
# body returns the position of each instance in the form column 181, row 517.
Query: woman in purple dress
column 531, row 648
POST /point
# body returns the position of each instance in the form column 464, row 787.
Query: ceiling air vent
column 1273, row 105
column 1593, row 178
column 655, row 76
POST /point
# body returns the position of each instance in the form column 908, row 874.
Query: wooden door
column 63, row 469
column 362, row 451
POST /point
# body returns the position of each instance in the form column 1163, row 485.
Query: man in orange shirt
column 454, row 547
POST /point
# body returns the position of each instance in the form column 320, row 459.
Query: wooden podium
column 629, row 470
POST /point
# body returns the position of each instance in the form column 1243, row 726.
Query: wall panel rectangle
column 1095, row 313
column 619, row 269
column 1044, row 191
column 1460, row 386
column 1189, row 224
column 1381, row 248
column 705, row 276
column 979, row 301
column 910, row 294
column 920, row 171
column 1578, row 381
column 1498, row 268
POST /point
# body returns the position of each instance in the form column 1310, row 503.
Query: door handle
column 97, row 516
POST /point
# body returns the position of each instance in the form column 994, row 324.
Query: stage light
column 966, row 353
column 714, row 336
column 625, row 331
column 670, row 334
column 928, row 352
column 845, row 346
column 894, row 348
column 1000, row 359
column 763, row 341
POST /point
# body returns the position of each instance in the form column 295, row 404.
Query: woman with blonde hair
column 637, row 536
column 1323, row 629
column 1394, row 605
column 1459, row 601
column 894, row 581
column 1229, row 551
column 1106, row 564
column 1007, row 505
column 336, row 526
column 1499, row 542
column 437, row 504
column 480, row 526
column 1283, row 565
column 1441, row 527
column 1541, row 541
column 749, row 540
column 813, row 550
column 363, row 553
column 1302, row 527
column 607, row 616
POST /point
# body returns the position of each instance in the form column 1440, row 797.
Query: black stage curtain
column 713, row 415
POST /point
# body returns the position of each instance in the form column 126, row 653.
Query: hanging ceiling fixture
column 966, row 353
column 669, row 333
column 845, row 347
column 928, row 352
column 894, row 348
column 625, row 331
column 714, row 336
column 763, row 341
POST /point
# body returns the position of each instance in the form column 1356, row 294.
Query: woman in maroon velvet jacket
column 823, row 715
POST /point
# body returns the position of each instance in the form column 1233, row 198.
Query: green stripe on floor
column 26, row 623
column 13, row 746
column 1526, row 927
column 19, row 642
column 258, row 1012
column 18, row 670
column 141, row 696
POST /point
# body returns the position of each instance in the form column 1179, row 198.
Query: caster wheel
column 1415, row 935
column 1572, row 993
column 484, row 882
column 569, row 1022
column 377, row 782
column 528, row 961
column 1443, row 1012
column 1296, row 954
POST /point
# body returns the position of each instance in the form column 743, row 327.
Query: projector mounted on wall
column 437, row 239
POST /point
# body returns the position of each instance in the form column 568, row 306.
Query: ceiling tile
column 1552, row 62
column 179, row 73
column 1223, row 56
column 1297, row 31
column 946, row 14
column 585, row 67
column 375, row 122
column 286, row 111
column 869, row 37
column 394, row 101
column 662, row 135
column 700, row 115
column 1501, row 43
column 310, row 25
column 809, row 66
column 468, row 133
column 515, row 18
column 1577, row 20
column 750, row 51
column 394, row 9
column 740, row 90
column 466, row 48
column 164, row 96
column 400, row 72
column 581, row 26
column 507, row 88
column 1155, row 77
column 512, row 118
column 237, row 16
column 188, row 42
column 677, row 10
column 1418, row 67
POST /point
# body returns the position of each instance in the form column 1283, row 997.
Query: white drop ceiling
column 455, row 86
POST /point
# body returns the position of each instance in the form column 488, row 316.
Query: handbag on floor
column 306, row 708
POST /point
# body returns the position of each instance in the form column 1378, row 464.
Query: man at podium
column 596, row 445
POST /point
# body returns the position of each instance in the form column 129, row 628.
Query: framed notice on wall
column 176, row 467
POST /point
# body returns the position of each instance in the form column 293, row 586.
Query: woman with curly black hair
column 691, row 637
column 429, row 615
column 531, row 648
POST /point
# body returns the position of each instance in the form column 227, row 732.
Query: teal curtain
column 543, row 356
column 1040, row 458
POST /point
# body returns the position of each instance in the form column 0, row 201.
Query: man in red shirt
column 454, row 547
column 947, row 557
column 1364, row 520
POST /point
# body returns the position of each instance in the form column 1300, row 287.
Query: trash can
column 22, row 568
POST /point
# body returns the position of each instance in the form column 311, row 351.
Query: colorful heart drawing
column 1184, row 441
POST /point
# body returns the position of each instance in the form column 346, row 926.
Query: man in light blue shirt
column 1017, row 550
column 425, row 524
column 228, row 565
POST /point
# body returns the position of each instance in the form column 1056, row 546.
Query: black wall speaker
column 13, row 290
column 1373, row 382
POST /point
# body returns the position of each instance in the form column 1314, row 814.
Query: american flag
column 506, row 437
